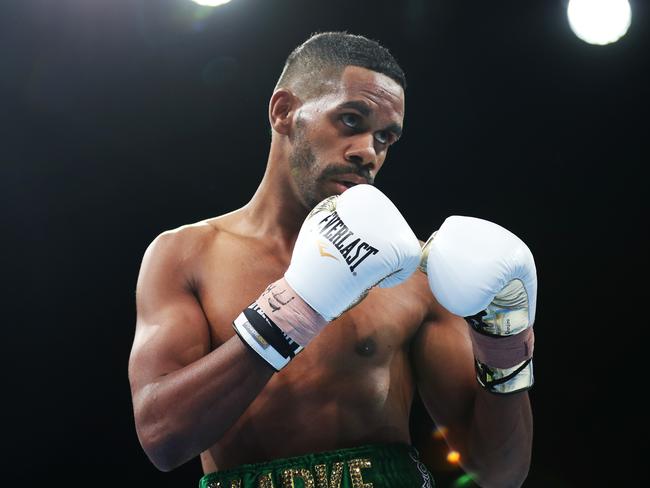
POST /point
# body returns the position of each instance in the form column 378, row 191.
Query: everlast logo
column 354, row 251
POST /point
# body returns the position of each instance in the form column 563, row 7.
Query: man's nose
column 362, row 151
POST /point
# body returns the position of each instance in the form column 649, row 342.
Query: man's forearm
column 500, row 439
column 181, row 414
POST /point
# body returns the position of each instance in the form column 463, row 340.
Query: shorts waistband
column 369, row 466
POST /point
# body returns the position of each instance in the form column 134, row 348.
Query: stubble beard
column 304, row 171
column 309, row 176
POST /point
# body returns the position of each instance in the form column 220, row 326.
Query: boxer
column 284, row 342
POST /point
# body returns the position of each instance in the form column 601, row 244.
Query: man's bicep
column 171, row 328
column 444, row 367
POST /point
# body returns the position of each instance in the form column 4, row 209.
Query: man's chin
column 328, row 189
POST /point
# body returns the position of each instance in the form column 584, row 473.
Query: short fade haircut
column 325, row 55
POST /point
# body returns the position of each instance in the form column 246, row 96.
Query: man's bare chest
column 232, row 278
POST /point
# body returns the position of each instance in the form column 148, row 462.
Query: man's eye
column 351, row 120
column 382, row 137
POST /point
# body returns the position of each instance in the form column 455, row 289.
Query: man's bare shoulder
column 190, row 240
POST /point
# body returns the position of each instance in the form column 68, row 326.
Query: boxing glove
column 486, row 274
column 348, row 244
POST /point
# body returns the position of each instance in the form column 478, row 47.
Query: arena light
column 210, row 3
column 599, row 21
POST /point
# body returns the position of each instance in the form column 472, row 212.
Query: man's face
column 342, row 138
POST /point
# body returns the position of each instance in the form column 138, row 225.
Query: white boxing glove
column 347, row 244
column 485, row 273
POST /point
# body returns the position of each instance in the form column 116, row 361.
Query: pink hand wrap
column 290, row 313
column 505, row 351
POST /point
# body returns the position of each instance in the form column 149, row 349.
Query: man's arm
column 474, row 371
column 184, row 396
column 492, row 433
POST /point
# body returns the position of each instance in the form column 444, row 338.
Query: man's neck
column 274, row 211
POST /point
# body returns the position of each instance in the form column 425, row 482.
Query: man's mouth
column 348, row 181
column 347, row 184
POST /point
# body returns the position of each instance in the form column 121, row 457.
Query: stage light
column 599, row 21
column 210, row 3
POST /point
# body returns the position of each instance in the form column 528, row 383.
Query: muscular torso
column 352, row 385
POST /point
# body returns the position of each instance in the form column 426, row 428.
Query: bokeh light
column 439, row 433
column 453, row 457
column 463, row 481
column 599, row 22
column 210, row 3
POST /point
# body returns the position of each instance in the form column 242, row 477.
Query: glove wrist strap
column 505, row 380
column 279, row 324
column 258, row 332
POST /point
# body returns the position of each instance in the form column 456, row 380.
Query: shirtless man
column 204, row 386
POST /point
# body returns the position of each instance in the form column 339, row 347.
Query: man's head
column 338, row 106
column 312, row 66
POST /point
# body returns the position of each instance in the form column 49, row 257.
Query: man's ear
column 282, row 107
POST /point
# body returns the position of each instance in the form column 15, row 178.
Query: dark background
column 120, row 119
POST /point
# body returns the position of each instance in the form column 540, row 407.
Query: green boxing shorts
column 373, row 466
